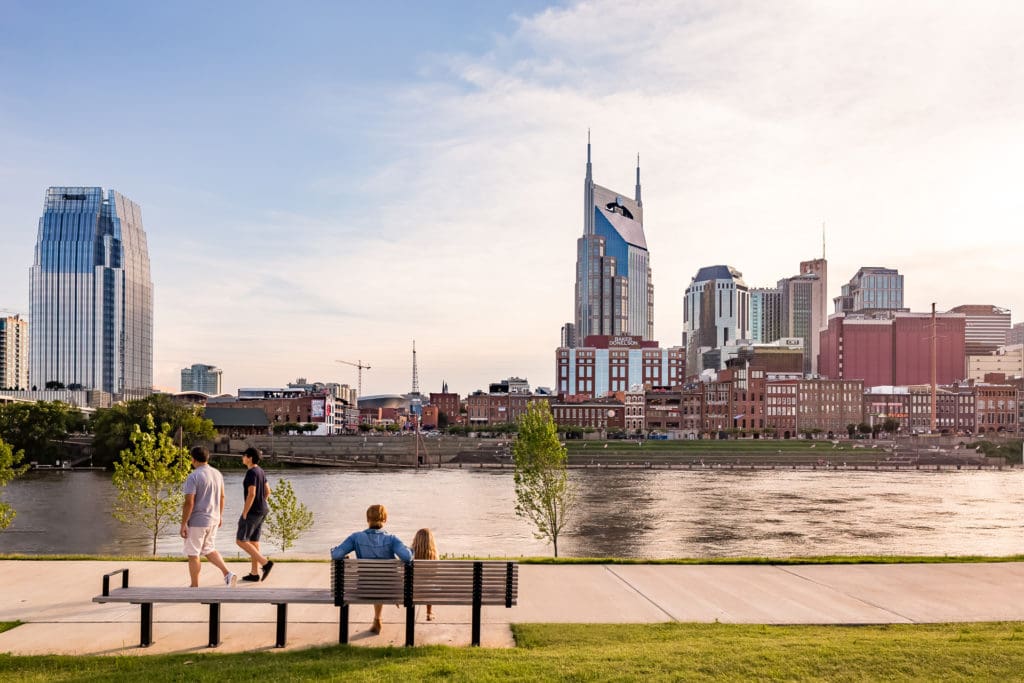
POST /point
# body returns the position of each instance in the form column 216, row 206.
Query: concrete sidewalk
column 55, row 601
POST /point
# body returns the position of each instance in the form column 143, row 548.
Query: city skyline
column 308, row 201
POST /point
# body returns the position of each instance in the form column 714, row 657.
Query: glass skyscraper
column 614, row 289
column 91, row 294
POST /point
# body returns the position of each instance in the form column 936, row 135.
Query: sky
column 332, row 181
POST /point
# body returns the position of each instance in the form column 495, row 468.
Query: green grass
column 990, row 651
column 8, row 625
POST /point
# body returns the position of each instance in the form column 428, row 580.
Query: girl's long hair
column 423, row 547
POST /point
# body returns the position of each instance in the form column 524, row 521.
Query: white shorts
column 200, row 540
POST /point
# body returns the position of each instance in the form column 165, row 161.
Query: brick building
column 894, row 349
column 829, row 405
column 448, row 403
column 603, row 415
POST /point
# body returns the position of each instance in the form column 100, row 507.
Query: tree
column 891, row 425
column 851, row 429
column 288, row 518
column 864, row 428
column 544, row 494
column 10, row 468
column 148, row 479
column 113, row 427
column 37, row 429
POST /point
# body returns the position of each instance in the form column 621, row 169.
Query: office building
column 1006, row 360
column 716, row 311
column 1016, row 334
column 765, row 314
column 91, row 294
column 204, row 378
column 13, row 352
column 987, row 327
column 873, row 288
column 614, row 289
column 606, row 365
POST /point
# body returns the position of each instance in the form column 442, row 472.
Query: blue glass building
column 614, row 289
column 91, row 294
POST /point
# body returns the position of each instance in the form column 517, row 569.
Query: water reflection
column 622, row 513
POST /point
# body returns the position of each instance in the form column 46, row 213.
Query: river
column 621, row 513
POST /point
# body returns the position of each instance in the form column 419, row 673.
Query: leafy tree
column 543, row 492
column 148, row 480
column 288, row 518
column 891, row 425
column 38, row 428
column 10, row 468
column 363, row 427
column 54, row 385
column 113, row 427
column 442, row 419
column 851, row 429
column 864, row 428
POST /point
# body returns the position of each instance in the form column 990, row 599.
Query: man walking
column 201, row 516
column 256, row 491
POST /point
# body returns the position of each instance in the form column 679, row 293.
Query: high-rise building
column 873, row 288
column 91, row 294
column 13, row 352
column 603, row 365
column 568, row 335
column 614, row 289
column 802, row 298
column 765, row 314
column 204, row 378
column 716, row 311
column 1016, row 334
column 987, row 327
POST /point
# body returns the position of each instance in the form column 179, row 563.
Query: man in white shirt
column 201, row 516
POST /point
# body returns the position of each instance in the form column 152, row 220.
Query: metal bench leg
column 282, row 624
column 146, row 635
column 343, row 625
column 478, row 583
column 410, row 625
column 214, row 624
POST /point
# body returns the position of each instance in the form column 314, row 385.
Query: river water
column 621, row 513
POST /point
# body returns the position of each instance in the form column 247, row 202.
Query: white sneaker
column 231, row 579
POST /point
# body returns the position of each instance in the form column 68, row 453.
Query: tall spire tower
column 614, row 290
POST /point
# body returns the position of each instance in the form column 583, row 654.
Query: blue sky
column 333, row 180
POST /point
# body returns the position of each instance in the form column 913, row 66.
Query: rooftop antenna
column 415, row 372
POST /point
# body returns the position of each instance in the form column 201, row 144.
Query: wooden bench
column 424, row 582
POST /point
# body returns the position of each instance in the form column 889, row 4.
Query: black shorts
column 249, row 528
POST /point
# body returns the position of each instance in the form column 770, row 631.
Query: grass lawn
column 991, row 651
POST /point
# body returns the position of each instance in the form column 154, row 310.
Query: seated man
column 373, row 544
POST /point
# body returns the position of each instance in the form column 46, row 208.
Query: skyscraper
column 91, row 294
column 614, row 290
column 13, row 352
column 716, row 312
column 987, row 327
column 873, row 288
column 200, row 377
column 765, row 314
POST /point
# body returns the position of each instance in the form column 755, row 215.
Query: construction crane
column 361, row 367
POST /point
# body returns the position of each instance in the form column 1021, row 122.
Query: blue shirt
column 372, row 544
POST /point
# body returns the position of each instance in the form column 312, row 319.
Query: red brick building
column 448, row 403
column 996, row 408
column 603, row 415
column 893, row 350
column 781, row 404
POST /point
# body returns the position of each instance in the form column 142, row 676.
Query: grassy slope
column 602, row 652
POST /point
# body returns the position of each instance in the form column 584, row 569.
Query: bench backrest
column 436, row 582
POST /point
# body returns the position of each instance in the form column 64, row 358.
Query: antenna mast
column 415, row 372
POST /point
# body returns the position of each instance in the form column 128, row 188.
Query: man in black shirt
column 256, row 491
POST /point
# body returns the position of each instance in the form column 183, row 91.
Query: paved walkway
column 55, row 601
